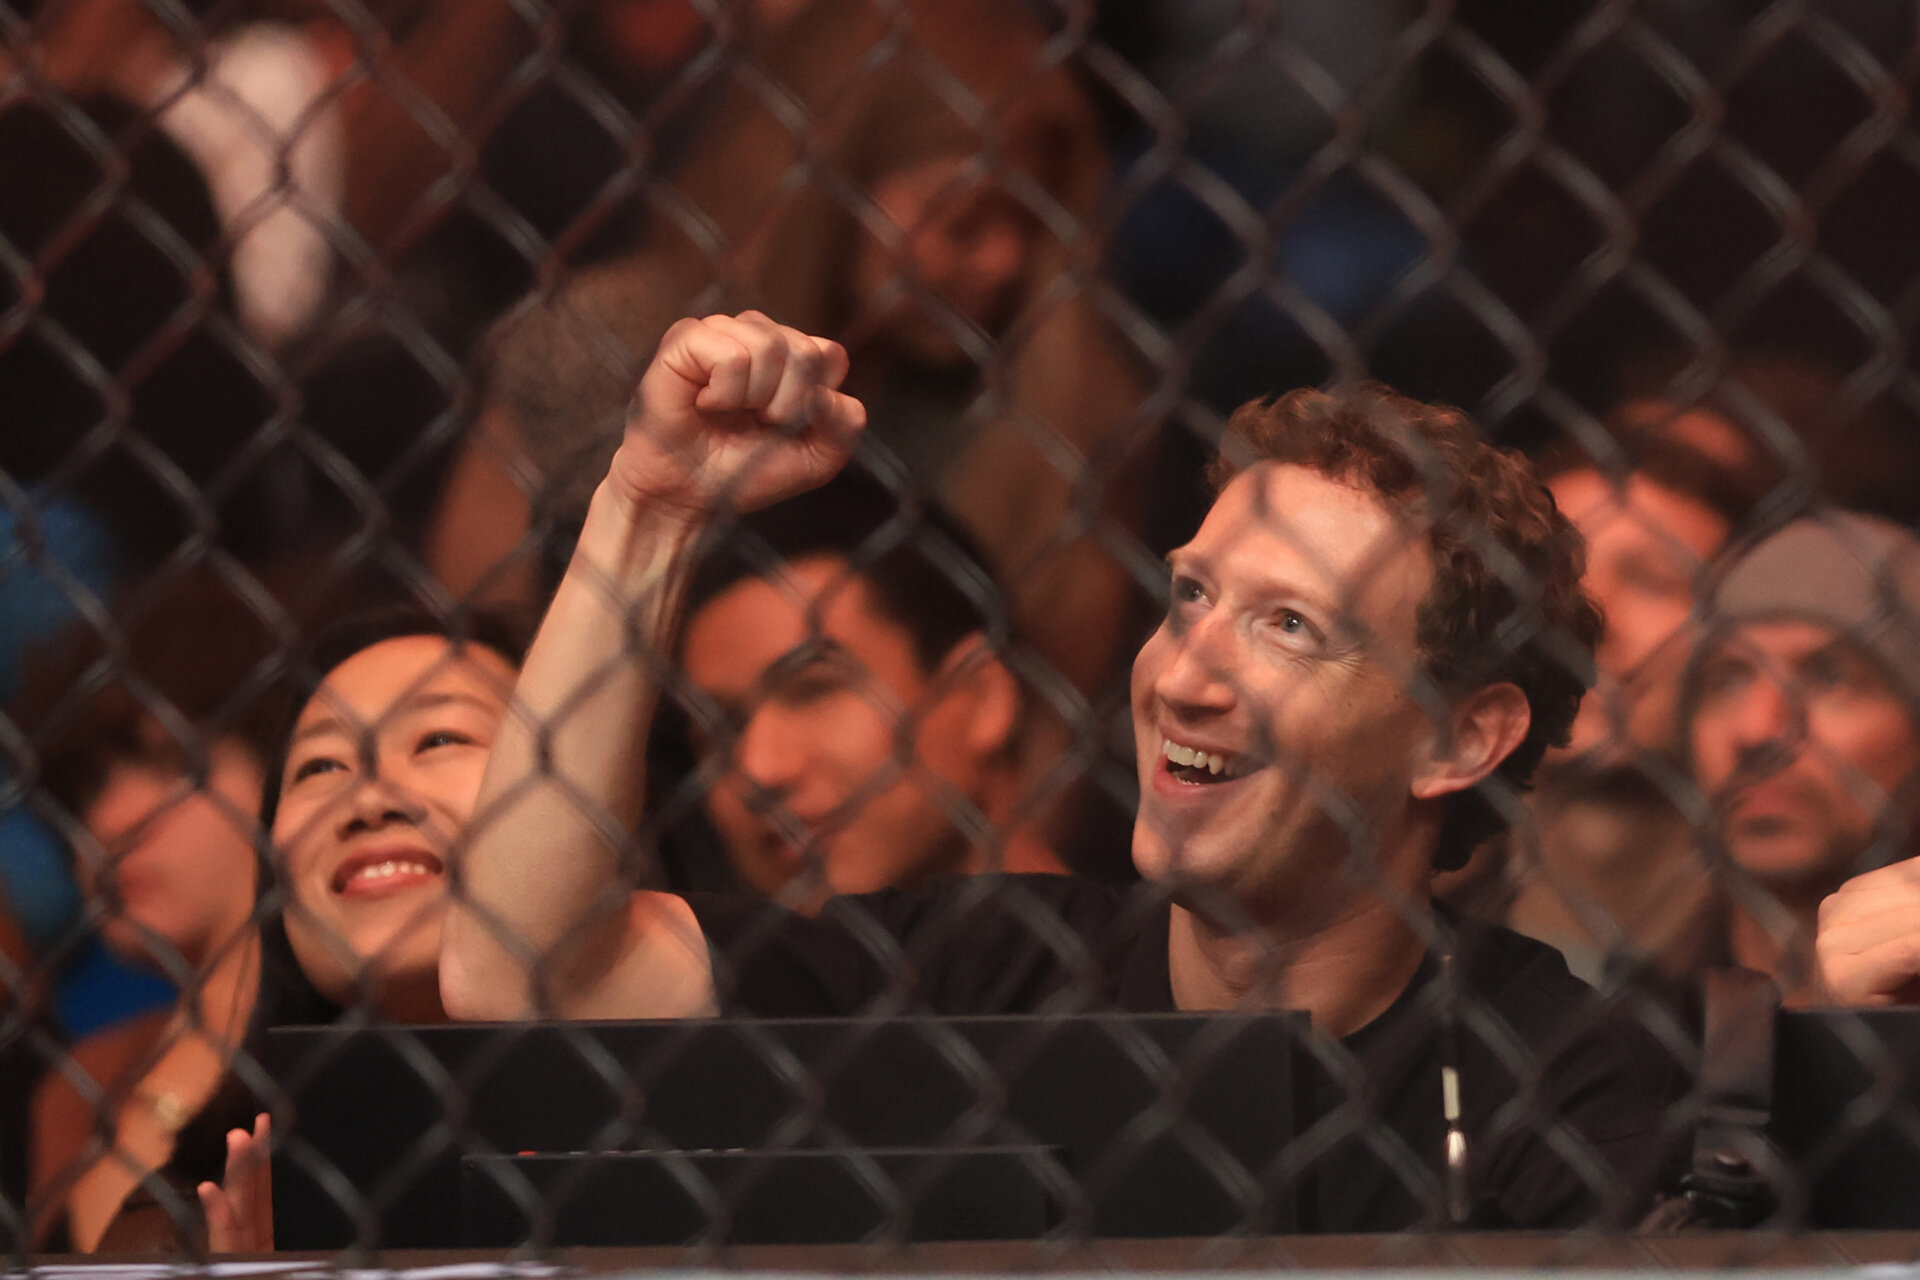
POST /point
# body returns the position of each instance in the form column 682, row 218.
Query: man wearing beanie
column 1802, row 727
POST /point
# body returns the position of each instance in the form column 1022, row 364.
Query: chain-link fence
column 986, row 854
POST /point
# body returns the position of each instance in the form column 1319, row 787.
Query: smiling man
column 1368, row 646
column 858, row 727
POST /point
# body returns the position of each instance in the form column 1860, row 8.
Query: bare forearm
column 544, row 902
column 544, row 918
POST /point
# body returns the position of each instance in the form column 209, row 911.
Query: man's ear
column 1485, row 728
column 974, row 671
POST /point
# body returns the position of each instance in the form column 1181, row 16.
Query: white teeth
column 1215, row 763
column 389, row 868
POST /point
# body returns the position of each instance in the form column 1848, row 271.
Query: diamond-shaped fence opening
column 1140, row 812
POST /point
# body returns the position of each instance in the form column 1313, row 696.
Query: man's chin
column 1789, row 864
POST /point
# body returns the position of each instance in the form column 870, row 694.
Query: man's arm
column 544, row 920
column 1868, row 943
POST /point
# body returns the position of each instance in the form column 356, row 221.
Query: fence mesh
column 321, row 322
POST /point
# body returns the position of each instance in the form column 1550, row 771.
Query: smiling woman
column 371, row 784
column 378, row 780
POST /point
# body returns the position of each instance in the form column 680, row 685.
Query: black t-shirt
column 1563, row 1096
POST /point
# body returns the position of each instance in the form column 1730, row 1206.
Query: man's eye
column 1294, row 624
column 1723, row 676
column 816, row 682
column 1185, row 591
column 1664, row 581
column 443, row 738
column 1826, row 671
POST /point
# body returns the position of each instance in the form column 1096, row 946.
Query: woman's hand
column 239, row 1208
column 735, row 409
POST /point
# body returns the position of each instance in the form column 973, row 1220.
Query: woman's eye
column 444, row 738
column 316, row 765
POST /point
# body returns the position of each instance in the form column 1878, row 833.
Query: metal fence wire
column 321, row 322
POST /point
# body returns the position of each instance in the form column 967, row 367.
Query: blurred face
column 847, row 753
column 180, row 863
column 1802, row 743
column 968, row 242
column 1646, row 546
column 1272, row 700
column 380, row 781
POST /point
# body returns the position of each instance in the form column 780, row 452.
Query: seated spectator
column 1801, row 721
column 371, row 780
column 1337, row 699
column 155, row 748
column 842, row 650
column 930, row 244
column 1613, row 871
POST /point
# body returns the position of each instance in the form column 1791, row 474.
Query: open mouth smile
column 1193, row 766
column 383, row 871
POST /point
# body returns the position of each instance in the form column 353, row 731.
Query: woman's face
column 380, row 780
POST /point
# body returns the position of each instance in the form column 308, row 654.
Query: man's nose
column 1767, row 725
column 1197, row 674
column 997, row 256
column 771, row 751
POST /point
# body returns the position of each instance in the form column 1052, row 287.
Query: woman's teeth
column 392, row 867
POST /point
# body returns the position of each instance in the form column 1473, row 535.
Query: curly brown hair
column 1506, row 602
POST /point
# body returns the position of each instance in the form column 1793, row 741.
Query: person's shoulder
column 1503, row 962
column 1558, row 1016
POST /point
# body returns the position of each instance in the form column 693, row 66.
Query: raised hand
column 239, row 1208
column 1868, row 944
column 735, row 409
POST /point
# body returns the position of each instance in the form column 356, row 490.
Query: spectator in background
column 1612, row 869
column 843, row 661
column 152, row 754
column 1802, row 726
column 936, row 245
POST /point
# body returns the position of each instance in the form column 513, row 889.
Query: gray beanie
column 1857, row 574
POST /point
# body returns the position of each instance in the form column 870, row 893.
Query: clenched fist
column 735, row 409
column 1868, row 943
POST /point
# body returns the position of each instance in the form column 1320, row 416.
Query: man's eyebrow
column 815, row 649
column 1183, row 560
column 428, row 701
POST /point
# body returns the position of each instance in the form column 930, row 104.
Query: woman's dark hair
column 287, row 997
column 504, row 632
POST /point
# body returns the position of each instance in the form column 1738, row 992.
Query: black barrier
column 809, row 1132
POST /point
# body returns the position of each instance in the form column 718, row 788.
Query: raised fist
column 735, row 409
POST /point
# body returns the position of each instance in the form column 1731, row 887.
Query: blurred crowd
column 320, row 322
